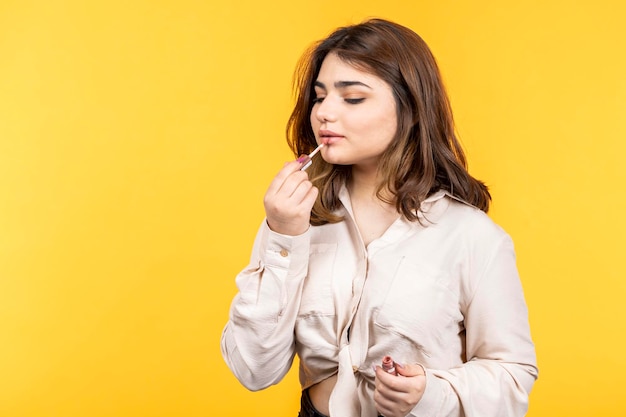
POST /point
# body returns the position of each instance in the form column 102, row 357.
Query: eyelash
column 318, row 100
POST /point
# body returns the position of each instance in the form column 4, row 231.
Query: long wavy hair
column 425, row 156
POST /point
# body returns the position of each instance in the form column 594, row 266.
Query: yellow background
column 137, row 139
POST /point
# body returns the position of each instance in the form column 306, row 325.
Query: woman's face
column 354, row 114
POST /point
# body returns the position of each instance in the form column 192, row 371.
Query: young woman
column 381, row 248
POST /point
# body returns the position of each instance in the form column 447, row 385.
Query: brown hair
column 425, row 155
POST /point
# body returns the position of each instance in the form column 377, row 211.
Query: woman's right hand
column 289, row 200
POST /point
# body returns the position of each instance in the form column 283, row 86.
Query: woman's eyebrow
column 342, row 84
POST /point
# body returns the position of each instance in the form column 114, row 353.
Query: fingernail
column 399, row 365
column 374, row 368
column 302, row 159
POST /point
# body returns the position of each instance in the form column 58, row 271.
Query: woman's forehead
column 334, row 69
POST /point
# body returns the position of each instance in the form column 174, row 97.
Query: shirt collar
column 344, row 197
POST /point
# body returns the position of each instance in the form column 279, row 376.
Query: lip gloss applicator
column 309, row 157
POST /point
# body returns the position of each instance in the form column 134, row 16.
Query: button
column 284, row 253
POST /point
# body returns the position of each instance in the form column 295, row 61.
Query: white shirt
column 445, row 294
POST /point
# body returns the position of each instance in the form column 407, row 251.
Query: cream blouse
column 445, row 294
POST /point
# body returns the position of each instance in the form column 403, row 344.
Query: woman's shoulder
column 468, row 220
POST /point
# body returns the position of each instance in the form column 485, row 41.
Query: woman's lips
column 329, row 137
column 332, row 139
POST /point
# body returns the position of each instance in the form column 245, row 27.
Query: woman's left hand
column 397, row 395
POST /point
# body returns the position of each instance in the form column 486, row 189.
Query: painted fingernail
column 302, row 159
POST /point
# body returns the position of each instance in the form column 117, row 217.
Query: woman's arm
column 258, row 340
column 501, row 363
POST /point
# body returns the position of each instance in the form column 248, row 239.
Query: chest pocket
column 317, row 294
column 420, row 306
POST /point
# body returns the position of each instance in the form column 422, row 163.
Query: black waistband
column 307, row 409
column 306, row 406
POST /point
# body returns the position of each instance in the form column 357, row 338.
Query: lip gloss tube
column 389, row 365
column 309, row 157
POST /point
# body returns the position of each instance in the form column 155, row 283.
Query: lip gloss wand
column 309, row 157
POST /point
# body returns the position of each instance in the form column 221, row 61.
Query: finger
column 309, row 199
column 384, row 378
column 295, row 187
column 288, row 169
column 283, row 192
column 299, row 203
column 293, row 201
column 300, row 191
column 391, row 402
column 385, row 406
column 386, row 397
column 410, row 370
column 410, row 378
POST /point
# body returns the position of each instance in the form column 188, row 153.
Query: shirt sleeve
column 501, row 366
column 258, row 342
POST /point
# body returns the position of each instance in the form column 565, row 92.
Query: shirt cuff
column 282, row 251
column 432, row 400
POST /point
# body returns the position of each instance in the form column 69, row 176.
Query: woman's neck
column 363, row 182
column 363, row 186
column 372, row 214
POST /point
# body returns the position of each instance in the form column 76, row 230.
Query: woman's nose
column 326, row 111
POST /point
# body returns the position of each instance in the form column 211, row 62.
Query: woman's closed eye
column 349, row 100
